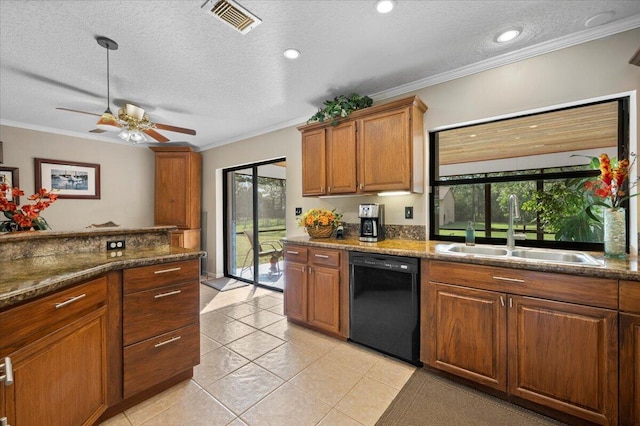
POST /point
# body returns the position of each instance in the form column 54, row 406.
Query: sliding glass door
column 255, row 198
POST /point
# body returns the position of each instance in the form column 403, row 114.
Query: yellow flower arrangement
column 314, row 218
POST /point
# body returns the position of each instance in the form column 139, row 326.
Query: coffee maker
column 371, row 222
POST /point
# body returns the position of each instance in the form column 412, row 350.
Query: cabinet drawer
column 630, row 296
column 598, row 292
column 147, row 277
column 154, row 360
column 152, row 312
column 295, row 254
column 29, row 322
column 320, row 257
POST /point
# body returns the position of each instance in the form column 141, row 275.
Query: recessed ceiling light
column 599, row 19
column 385, row 6
column 508, row 35
column 291, row 54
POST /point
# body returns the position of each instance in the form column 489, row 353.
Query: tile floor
column 258, row 369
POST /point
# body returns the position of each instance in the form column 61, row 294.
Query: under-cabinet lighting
column 392, row 193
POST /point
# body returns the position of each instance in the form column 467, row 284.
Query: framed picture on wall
column 69, row 179
column 9, row 175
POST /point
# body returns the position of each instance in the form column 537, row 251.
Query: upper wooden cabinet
column 380, row 148
column 178, row 187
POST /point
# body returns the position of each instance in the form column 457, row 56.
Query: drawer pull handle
column 322, row 256
column 292, row 252
column 166, row 342
column 169, row 293
column 67, row 302
column 511, row 280
column 164, row 271
column 6, row 372
column 501, row 300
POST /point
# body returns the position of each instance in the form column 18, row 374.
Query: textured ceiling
column 188, row 69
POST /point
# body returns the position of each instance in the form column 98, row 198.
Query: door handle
column 6, row 372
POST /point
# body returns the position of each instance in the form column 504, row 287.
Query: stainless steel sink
column 524, row 254
column 478, row 250
column 555, row 256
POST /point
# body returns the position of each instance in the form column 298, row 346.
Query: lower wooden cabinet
column 60, row 374
column 558, row 354
column 313, row 293
column 629, row 353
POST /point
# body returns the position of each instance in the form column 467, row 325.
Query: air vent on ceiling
column 233, row 14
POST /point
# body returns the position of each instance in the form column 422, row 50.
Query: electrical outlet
column 298, row 211
column 408, row 212
column 115, row 245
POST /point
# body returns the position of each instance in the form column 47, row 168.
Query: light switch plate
column 298, row 211
column 408, row 212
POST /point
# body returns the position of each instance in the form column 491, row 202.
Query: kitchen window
column 543, row 158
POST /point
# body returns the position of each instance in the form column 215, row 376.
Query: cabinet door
column 341, row 158
column 62, row 378
column 314, row 178
column 384, row 145
column 629, row 369
column 466, row 331
column 324, row 298
column 171, row 195
column 295, row 291
column 564, row 356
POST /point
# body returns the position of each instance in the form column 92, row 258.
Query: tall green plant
column 340, row 107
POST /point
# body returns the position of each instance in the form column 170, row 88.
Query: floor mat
column 224, row 284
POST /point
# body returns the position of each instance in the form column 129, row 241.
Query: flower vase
column 615, row 236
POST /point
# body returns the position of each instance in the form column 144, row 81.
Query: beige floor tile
column 336, row 418
column 244, row 387
column 266, row 302
column 238, row 310
column 237, row 422
column 261, row 319
column 283, row 329
column 255, row 344
column 367, row 401
column 207, row 344
column 352, row 356
column 287, row 360
column 226, row 332
column 277, row 295
column 326, row 380
column 119, row 420
column 142, row 412
column 286, row 406
column 313, row 342
column 216, row 364
column 391, row 372
column 278, row 309
column 199, row 409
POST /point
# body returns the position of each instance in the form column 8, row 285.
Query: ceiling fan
column 132, row 122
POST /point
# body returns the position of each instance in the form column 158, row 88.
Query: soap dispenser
column 470, row 235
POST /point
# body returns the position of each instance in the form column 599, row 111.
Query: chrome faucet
column 514, row 213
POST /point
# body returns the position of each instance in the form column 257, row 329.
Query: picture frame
column 68, row 179
column 10, row 175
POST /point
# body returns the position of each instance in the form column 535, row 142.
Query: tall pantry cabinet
column 178, row 188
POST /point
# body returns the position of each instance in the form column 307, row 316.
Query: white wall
column 589, row 70
column 126, row 175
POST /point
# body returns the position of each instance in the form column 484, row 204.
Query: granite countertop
column 26, row 278
column 625, row 269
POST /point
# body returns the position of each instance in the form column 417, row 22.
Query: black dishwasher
column 384, row 299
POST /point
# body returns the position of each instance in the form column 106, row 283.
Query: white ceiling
column 188, row 69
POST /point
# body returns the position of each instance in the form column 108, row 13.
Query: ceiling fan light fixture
column 108, row 122
column 138, row 137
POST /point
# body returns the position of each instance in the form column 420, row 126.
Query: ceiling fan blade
column 175, row 129
column 157, row 136
column 97, row 131
column 81, row 112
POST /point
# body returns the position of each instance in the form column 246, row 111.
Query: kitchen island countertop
column 624, row 269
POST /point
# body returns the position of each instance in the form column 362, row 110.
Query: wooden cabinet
column 160, row 323
column 629, row 353
column 313, row 293
column 496, row 327
column 380, row 148
column 178, row 187
column 58, row 346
